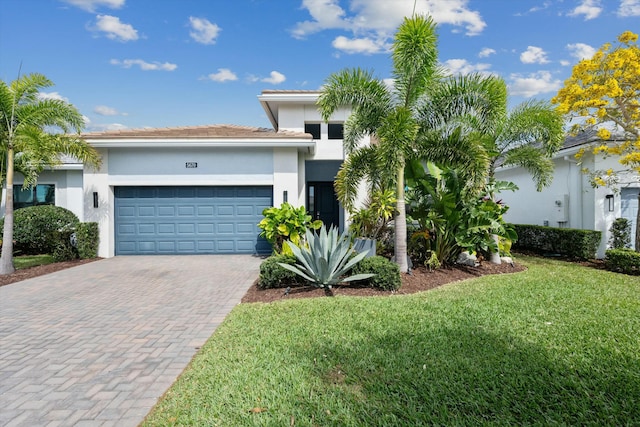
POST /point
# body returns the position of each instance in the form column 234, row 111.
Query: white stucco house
column 195, row 190
column 570, row 201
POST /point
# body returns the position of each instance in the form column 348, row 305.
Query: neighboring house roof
column 210, row 135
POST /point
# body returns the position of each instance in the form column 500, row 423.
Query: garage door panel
column 184, row 220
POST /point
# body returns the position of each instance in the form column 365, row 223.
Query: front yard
column 556, row 344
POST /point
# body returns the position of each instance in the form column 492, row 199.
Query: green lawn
column 558, row 344
column 27, row 261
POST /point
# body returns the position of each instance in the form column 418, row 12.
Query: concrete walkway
column 98, row 344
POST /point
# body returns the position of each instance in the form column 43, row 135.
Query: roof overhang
column 271, row 101
column 307, row 145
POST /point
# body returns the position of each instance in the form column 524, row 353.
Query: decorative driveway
column 98, row 344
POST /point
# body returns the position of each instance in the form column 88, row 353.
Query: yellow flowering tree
column 603, row 94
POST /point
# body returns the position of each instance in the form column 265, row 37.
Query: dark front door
column 322, row 203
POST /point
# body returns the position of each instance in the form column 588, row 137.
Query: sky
column 168, row 63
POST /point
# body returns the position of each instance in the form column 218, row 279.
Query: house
column 201, row 190
column 570, row 201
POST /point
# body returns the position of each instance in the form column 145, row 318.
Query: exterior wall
column 293, row 117
column 216, row 166
column 587, row 208
column 68, row 189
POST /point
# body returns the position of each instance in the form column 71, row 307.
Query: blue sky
column 165, row 63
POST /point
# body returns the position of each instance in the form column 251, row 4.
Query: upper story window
column 313, row 129
column 336, row 131
column 41, row 194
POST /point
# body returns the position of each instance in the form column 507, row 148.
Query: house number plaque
column 189, row 165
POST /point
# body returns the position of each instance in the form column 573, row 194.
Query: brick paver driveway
column 98, row 344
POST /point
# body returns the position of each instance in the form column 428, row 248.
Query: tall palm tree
column 387, row 114
column 30, row 141
column 527, row 136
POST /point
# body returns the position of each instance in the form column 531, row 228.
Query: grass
column 555, row 345
column 26, row 261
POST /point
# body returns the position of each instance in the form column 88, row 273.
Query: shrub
column 64, row 249
column 285, row 223
column 625, row 261
column 272, row 275
column 569, row 242
column 386, row 274
column 620, row 234
column 36, row 228
column 87, row 238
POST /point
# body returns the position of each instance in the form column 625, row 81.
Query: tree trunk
column 494, row 257
column 401, row 224
column 6, row 258
column 638, row 226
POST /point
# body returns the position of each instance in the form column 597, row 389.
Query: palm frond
column 534, row 161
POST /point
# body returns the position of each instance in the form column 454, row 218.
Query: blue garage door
column 190, row 220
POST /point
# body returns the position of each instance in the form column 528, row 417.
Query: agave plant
column 325, row 259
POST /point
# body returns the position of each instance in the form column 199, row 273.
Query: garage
column 168, row 220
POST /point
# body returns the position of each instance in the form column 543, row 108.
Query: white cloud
column 274, row 78
column 485, row 52
column 378, row 20
column 101, row 127
column 565, row 63
column 223, row 75
column 103, row 110
column 364, row 45
column 92, row 5
column 203, row 31
column 52, row 95
column 462, row 66
column 629, row 8
column 589, row 8
column 581, row 51
column 114, row 29
column 533, row 84
column 534, row 55
column 144, row 66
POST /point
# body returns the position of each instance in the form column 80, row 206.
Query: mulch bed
column 420, row 279
column 28, row 273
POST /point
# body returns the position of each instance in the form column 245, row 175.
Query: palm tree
column 476, row 109
column 29, row 142
column 388, row 115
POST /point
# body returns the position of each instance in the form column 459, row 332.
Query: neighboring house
column 202, row 189
column 570, row 201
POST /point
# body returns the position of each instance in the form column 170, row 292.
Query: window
column 313, row 129
column 41, row 194
column 336, row 131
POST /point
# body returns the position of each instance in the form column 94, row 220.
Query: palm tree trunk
column 401, row 224
column 6, row 258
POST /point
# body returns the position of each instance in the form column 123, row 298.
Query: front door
column 322, row 203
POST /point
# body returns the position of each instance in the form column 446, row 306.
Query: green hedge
column 569, row 242
column 386, row 273
column 87, row 238
column 625, row 261
column 41, row 229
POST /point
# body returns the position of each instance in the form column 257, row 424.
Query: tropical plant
column 603, row 93
column 30, row 141
column 286, row 223
column 451, row 215
column 325, row 259
column 481, row 135
column 387, row 114
column 368, row 222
